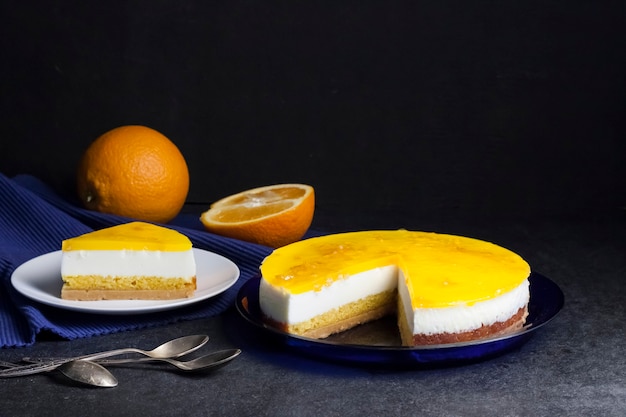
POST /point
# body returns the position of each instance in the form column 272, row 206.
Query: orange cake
column 444, row 288
column 130, row 261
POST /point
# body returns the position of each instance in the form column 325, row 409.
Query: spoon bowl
column 88, row 373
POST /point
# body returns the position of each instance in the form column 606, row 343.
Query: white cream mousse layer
column 285, row 307
column 129, row 263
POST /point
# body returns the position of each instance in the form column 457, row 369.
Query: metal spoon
column 171, row 349
column 210, row 361
column 84, row 372
column 88, row 373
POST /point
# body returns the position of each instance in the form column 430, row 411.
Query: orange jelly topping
column 440, row 270
column 130, row 236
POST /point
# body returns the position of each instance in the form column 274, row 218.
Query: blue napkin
column 34, row 220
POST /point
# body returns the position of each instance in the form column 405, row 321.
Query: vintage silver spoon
column 88, row 373
column 209, row 361
column 171, row 349
column 84, row 372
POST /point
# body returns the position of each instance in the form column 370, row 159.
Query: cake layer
column 284, row 307
column 512, row 324
column 96, row 295
column 462, row 317
column 137, row 283
column 129, row 263
column 343, row 318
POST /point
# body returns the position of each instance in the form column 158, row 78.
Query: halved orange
column 274, row 215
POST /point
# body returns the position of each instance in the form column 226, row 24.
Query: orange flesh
column 237, row 214
column 264, row 197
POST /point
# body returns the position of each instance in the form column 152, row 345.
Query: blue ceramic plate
column 378, row 343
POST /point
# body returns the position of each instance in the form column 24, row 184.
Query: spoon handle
column 102, row 361
column 35, row 368
column 5, row 364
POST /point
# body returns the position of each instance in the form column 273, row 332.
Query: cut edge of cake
column 131, row 261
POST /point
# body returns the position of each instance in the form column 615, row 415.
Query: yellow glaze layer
column 440, row 270
column 130, row 236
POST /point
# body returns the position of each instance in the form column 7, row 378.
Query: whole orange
column 134, row 171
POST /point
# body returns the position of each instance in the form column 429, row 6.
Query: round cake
column 443, row 288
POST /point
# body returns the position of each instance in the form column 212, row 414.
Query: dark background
column 448, row 109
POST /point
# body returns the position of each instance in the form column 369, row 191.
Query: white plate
column 40, row 279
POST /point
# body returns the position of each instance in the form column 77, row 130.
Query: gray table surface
column 574, row 366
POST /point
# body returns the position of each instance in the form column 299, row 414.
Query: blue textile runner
column 34, row 220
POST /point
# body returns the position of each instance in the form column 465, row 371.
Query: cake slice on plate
column 130, row 261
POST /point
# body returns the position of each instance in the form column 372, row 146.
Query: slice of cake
column 444, row 288
column 130, row 261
